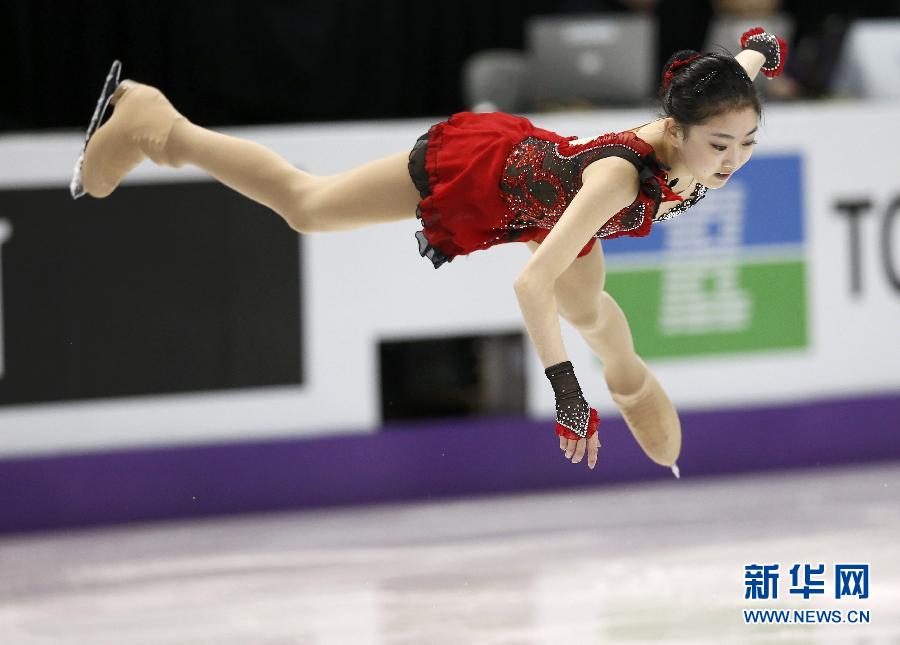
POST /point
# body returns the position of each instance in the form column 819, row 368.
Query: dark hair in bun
column 696, row 87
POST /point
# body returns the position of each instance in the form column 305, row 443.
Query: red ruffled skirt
column 457, row 168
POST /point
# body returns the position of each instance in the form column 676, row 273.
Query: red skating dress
column 493, row 178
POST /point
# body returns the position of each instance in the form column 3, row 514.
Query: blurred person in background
column 477, row 180
column 821, row 29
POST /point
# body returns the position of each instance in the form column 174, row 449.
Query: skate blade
column 76, row 188
column 675, row 471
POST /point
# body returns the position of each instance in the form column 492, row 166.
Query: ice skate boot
column 653, row 421
column 139, row 128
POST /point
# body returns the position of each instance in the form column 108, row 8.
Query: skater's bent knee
column 584, row 315
column 593, row 314
column 580, row 309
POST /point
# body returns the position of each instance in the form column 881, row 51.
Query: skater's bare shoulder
column 609, row 185
column 610, row 173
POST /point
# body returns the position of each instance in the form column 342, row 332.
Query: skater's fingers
column 563, row 442
column 579, row 451
column 593, row 447
column 570, row 448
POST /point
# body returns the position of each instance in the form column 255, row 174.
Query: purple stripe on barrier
column 424, row 460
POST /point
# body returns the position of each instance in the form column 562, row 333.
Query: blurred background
column 215, row 430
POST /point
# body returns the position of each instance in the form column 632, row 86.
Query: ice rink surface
column 660, row 562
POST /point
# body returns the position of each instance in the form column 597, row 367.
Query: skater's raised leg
column 145, row 125
column 379, row 191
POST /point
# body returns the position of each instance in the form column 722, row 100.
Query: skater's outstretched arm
column 609, row 186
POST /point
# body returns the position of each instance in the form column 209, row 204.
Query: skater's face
column 717, row 148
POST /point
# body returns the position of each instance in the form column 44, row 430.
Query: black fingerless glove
column 770, row 46
column 575, row 419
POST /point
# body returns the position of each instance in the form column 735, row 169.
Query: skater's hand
column 575, row 449
column 576, row 420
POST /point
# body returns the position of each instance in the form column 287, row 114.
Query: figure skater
column 477, row 180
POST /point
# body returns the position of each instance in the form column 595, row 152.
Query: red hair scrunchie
column 667, row 77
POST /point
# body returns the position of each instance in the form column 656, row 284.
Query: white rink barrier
column 805, row 239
